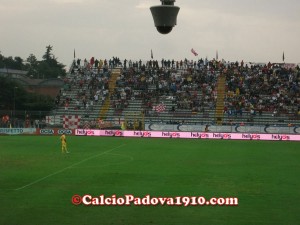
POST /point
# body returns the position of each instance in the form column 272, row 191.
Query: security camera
column 165, row 16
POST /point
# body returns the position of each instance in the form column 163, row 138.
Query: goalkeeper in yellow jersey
column 63, row 143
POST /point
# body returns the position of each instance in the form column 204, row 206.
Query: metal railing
column 23, row 118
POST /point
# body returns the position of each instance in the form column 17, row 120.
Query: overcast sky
column 249, row 30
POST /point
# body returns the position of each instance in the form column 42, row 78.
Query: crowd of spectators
column 251, row 88
column 191, row 86
column 256, row 89
column 86, row 87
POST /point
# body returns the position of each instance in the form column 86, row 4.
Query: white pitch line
column 110, row 164
column 62, row 170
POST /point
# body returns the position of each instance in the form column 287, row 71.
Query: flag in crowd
column 194, row 52
column 51, row 120
column 74, row 54
column 92, row 61
column 159, row 108
column 283, row 57
column 151, row 54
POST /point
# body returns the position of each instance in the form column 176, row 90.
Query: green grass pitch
column 37, row 182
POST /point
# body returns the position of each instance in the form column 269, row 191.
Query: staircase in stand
column 112, row 84
column 220, row 99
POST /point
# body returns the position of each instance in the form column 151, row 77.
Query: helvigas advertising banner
column 188, row 135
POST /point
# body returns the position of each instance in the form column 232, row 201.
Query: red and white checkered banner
column 159, row 108
column 71, row 122
column 86, row 125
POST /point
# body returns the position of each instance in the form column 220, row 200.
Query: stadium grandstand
column 107, row 93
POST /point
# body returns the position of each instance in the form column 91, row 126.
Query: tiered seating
column 189, row 93
column 77, row 97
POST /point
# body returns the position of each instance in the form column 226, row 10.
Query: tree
column 32, row 66
column 13, row 96
column 49, row 67
column 48, row 55
column 36, row 102
column 9, row 62
column 18, row 63
column 2, row 65
column 15, row 63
